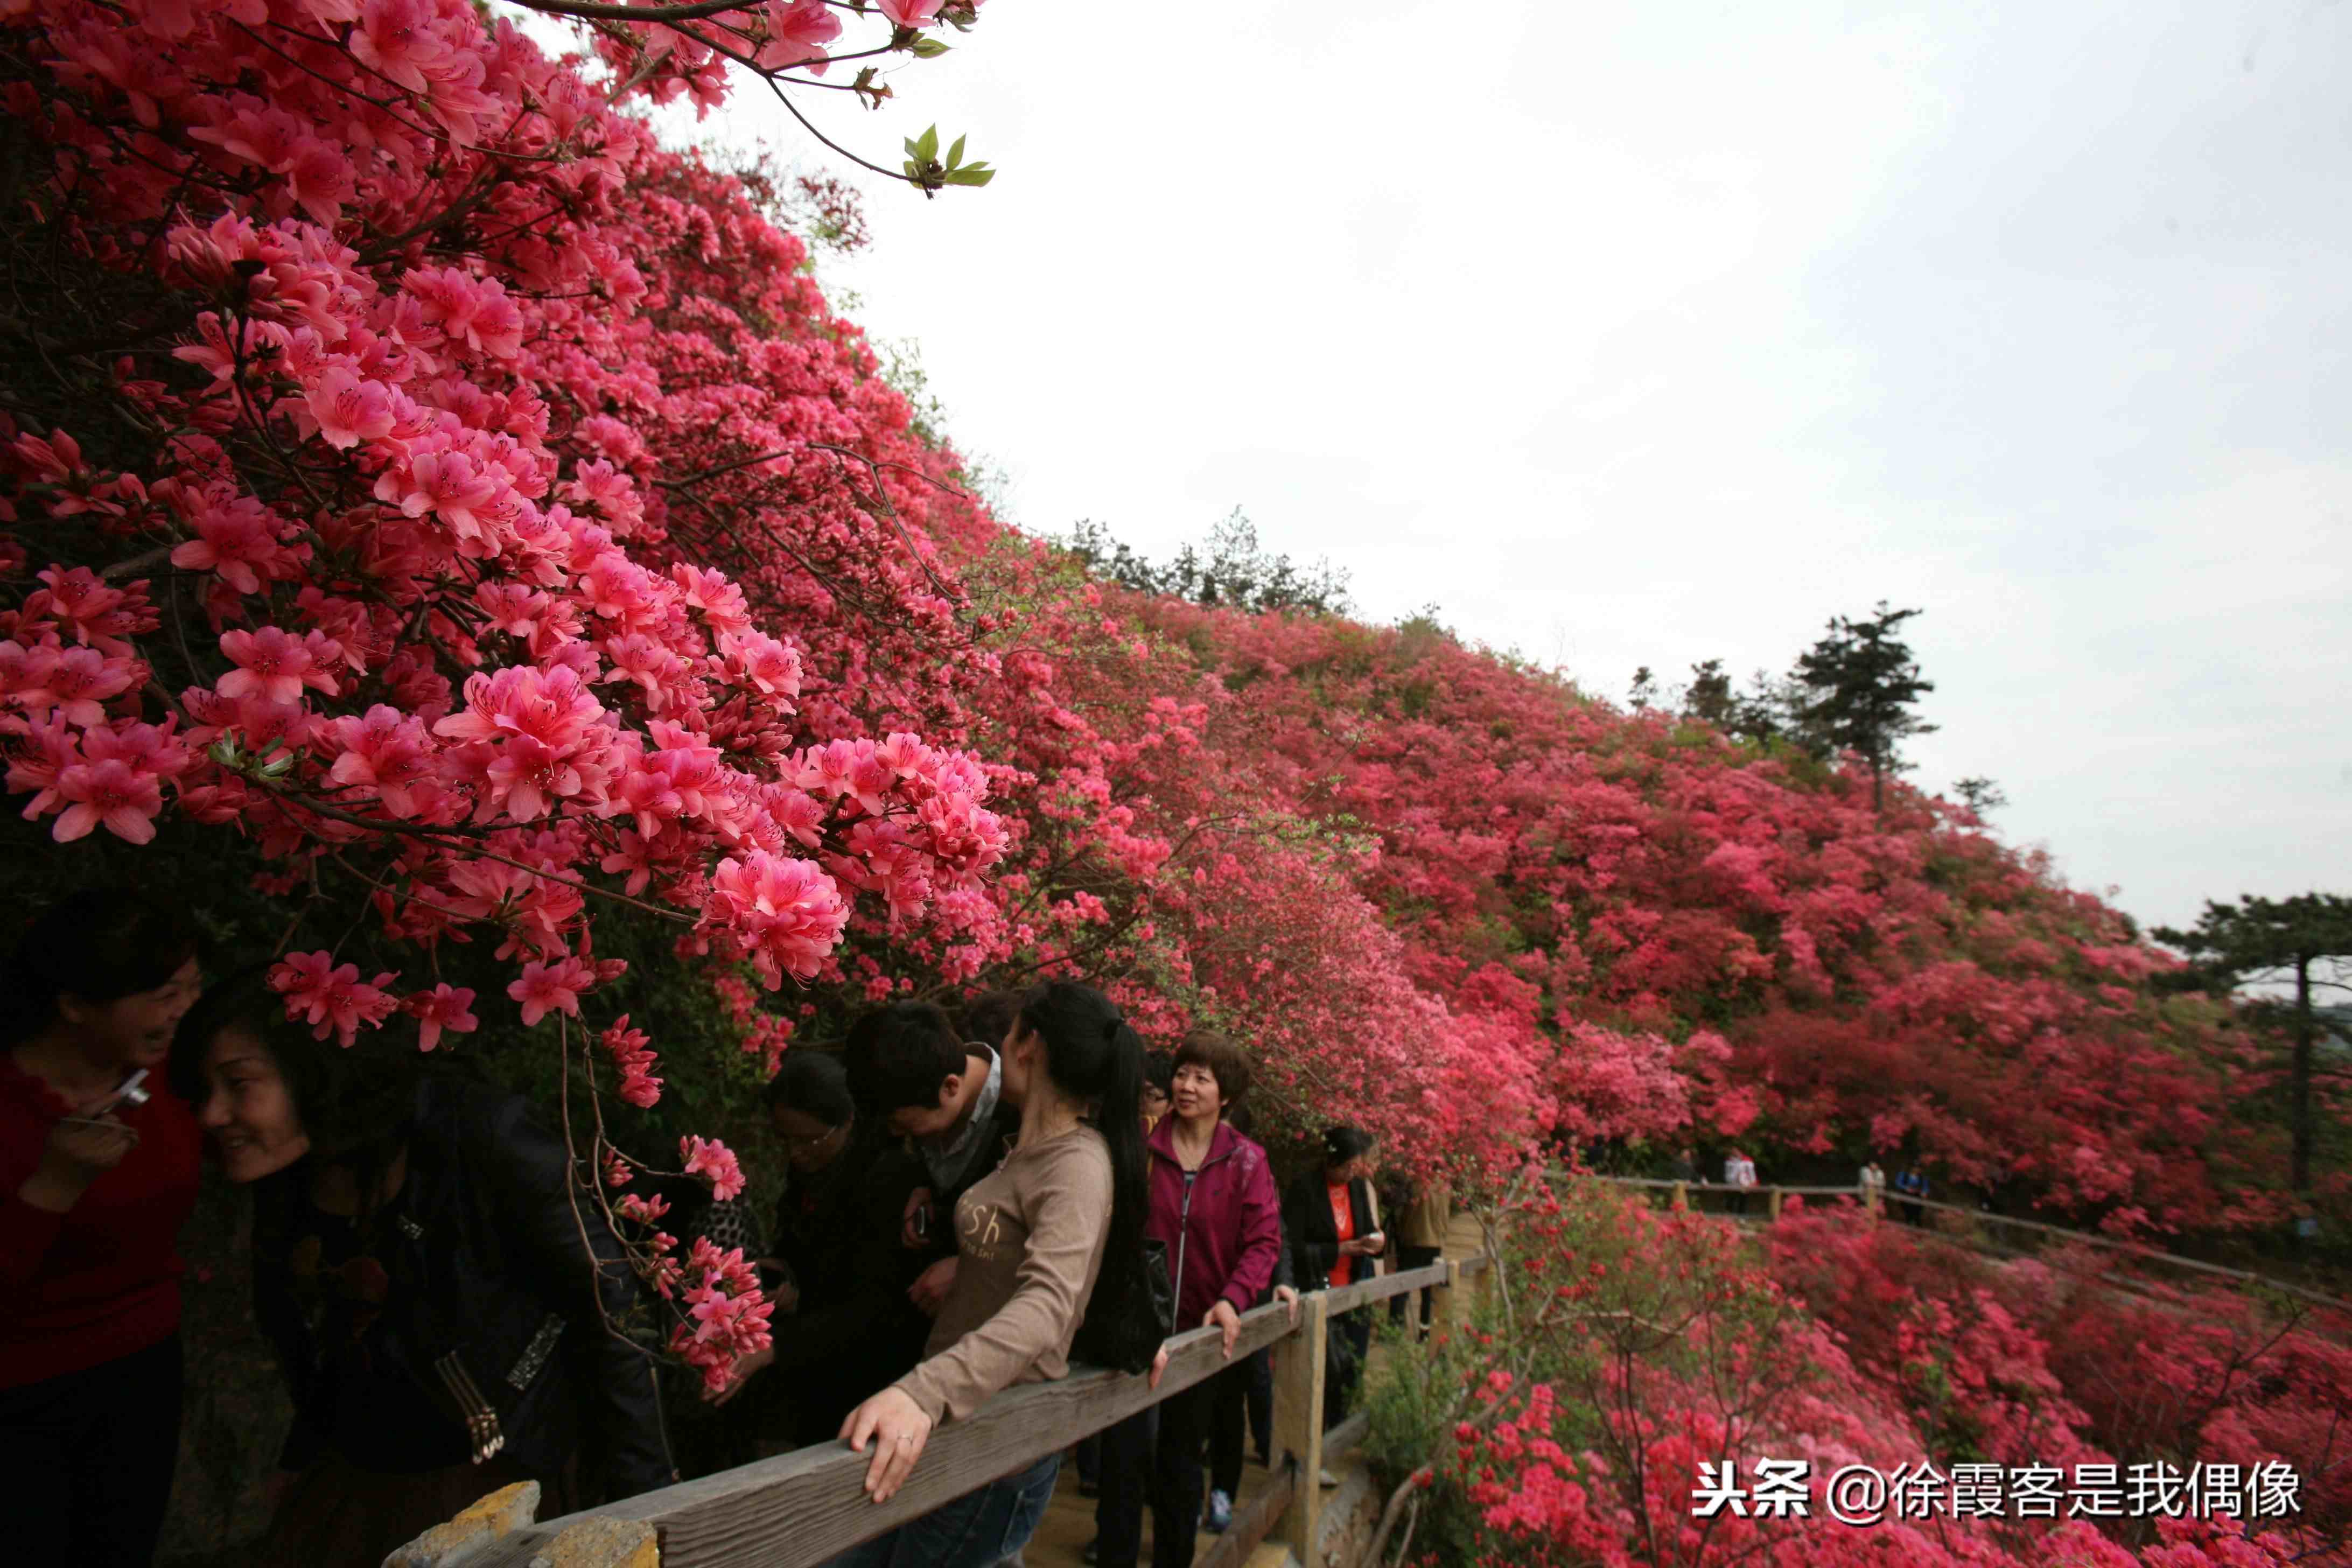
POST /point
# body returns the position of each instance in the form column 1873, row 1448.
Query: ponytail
column 1092, row 1053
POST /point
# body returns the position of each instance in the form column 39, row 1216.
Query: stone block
column 507, row 1509
column 602, row 1543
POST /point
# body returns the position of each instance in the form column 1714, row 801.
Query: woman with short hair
column 840, row 1272
column 1213, row 1206
column 94, row 1188
column 444, row 1305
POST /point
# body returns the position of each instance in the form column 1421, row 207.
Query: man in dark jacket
column 912, row 1072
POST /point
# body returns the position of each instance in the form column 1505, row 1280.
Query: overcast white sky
column 1647, row 333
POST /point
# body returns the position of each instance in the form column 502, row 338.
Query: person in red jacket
column 1215, row 1207
column 94, row 1188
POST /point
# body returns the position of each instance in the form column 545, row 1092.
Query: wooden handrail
column 802, row 1507
column 1888, row 1195
column 1380, row 1286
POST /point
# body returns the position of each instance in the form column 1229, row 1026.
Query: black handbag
column 1131, row 1313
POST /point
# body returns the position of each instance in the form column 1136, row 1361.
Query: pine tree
column 1710, row 697
column 1862, row 683
column 1980, row 794
column 2306, row 940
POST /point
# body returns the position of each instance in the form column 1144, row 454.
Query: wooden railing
column 800, row 1509
column 1873, row 1198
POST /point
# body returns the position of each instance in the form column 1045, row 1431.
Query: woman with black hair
column 1030, row 1237
column 424, row 1271
column 94, row 1188
column 840, row 1272
column 1334, row 1222
column 1213, row 1207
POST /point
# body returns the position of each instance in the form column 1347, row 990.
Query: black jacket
column 838, row 1236
column 1307, row 1224
column 482, row 1258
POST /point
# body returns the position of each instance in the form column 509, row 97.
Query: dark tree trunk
column 2299, row 1113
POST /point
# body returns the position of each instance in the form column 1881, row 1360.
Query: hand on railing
column 1222, row 1316
column 898, row 1428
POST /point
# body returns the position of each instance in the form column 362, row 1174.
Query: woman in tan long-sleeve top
column 1030, row 1240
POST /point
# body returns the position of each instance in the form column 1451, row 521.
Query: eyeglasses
column 797, row 1140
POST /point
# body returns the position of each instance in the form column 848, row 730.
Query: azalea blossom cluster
column 696, row 52
column 364, row 559
column 726, row 1315
column 1693, row 938
column 1643, row 1346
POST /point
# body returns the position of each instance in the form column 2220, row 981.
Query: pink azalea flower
column 85, row 680
column 239, row 539
column 787, row 914
column 710, row 1158
column 547, row 988
column 348, row 408
column 122, row 798
column 329, row 997
column 275, row 666
column 798, row 32
column 399, row 39
column 634, row 1055
column 443, row 1007
column 643, row 1210
column 385, row 753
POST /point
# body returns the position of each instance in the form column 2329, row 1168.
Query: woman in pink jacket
column 1214, row 1207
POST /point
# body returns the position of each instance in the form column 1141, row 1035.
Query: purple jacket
column 1222, row 1223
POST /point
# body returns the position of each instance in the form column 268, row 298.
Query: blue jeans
column 976, row 1530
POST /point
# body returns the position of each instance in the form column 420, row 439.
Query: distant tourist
column 1336, row 1240
column 1911, row 1186
column 1739, row 1174
column 1874, row 1186
column 1685, row 1167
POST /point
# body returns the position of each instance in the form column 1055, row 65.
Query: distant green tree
column 1709, row 696
column 1861, row 684
column 1233, row 571
column 1645, row 691
column 1981, row 795
column 1770, row 712
column 2306, row 941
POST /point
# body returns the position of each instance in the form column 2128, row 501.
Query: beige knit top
column 1029, row 1242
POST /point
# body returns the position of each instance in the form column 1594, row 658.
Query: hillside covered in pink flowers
column 448, row 534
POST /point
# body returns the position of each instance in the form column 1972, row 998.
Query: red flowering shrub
column 353, row 543
column 1633, row 1353
column 430, row 503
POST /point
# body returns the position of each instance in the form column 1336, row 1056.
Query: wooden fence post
column 1681, row 1199
column 1453, row 1307
column 1298, row 1421
column 1772, row 1202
